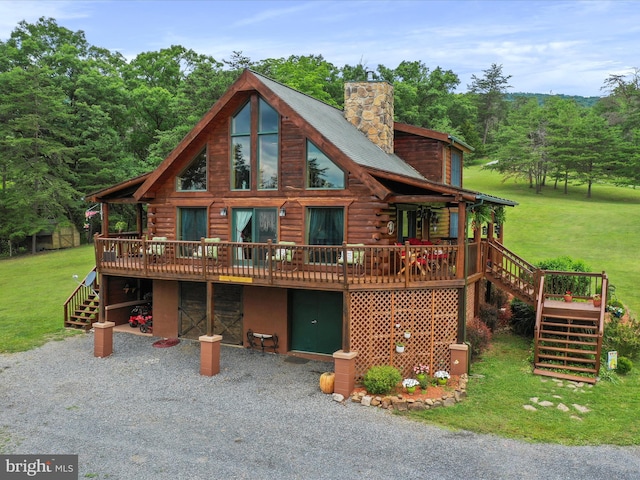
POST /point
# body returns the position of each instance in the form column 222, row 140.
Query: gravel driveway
column 146, row 413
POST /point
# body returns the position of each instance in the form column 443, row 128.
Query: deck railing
column 269, row 263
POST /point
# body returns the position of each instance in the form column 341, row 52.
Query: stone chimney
column 369, row 106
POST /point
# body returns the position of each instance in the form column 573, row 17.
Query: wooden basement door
column 316, row 321
column 227, row 311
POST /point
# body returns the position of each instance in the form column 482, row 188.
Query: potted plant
column 421, row 372
column 410, row 384
column 597, row 300
column 407, row 334
column 567, row 296
column 400, row 347
column 442, row 377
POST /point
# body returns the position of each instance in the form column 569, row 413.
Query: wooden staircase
column 82, row 308
column 568, row 335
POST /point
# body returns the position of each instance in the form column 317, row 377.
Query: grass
column 34, row 289
column 604, row 230
column 501, row 384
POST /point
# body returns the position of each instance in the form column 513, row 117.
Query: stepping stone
column 546, row 403
column 562, row 407
column 580, row 408
column 530, row 408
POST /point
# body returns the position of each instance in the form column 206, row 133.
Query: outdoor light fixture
column 223, row 212
column 283, row 212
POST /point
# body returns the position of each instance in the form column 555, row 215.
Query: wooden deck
column 310, row 266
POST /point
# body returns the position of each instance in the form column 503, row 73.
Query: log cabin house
column 283, row 223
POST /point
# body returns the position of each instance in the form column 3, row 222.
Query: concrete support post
column 459, row 358
column 345, row 372
column 103, row 339
column 210, row 354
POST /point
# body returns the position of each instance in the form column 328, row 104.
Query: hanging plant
column 499, row 215
column 479, row 215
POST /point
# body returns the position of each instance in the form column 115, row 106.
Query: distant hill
column 583, row 101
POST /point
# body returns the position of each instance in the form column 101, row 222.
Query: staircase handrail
column 498, row 251
column 539, row 303
column 80, row 294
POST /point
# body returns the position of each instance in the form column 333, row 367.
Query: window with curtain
column 322, row 173
column 192, row 226
column 194, row 177
column 325, row 226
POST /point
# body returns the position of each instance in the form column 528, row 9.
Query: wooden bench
column 267, row 340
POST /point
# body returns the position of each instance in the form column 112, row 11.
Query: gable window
column 194, row 177
column 322, row 173
column 241, row 149
column 254, row 134
column 456, row 168
column 267, row 147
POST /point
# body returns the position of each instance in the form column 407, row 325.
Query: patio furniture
column 156, row 250
column 353, row 257
column 284, row 255
column 209, row 251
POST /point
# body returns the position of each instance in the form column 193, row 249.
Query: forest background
column 75, row 118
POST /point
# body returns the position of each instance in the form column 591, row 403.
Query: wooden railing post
column 407, row 264
column 269, row 261
column 344, row 262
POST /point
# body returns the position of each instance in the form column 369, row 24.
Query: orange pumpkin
column 327, row 381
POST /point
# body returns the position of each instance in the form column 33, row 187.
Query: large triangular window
column 255, row 146
column 322, row 173
column 194, row 177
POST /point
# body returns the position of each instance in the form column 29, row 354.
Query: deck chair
column 210, row 251
column 284, row 255
column 156, row 251
column 354, row 257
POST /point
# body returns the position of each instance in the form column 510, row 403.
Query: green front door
column 316, row 321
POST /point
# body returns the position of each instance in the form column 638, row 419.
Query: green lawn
column 34, row 289
column 604, row 230
column 501, row 384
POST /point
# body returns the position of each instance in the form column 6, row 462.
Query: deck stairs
column 567, row 335
column 82, row 308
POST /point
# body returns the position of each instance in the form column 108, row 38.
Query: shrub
column 566, row 283
column 623, row 337
column 504, row 317
column 381, row 379
column 478, row 336
column 489, row 315
column 498, row 297
column 624, row 365
column 523, row 318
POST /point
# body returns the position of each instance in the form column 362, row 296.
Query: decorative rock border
column 404, row 402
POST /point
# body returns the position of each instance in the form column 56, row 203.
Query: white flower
column 410, row 382
column 441, row 374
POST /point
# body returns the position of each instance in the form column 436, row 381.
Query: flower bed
column 434, row 397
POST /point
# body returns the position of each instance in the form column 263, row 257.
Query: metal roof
column 330, row 122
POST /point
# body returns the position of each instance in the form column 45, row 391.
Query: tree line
column 75, row 118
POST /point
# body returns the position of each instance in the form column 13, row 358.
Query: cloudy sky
column 547, row 46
